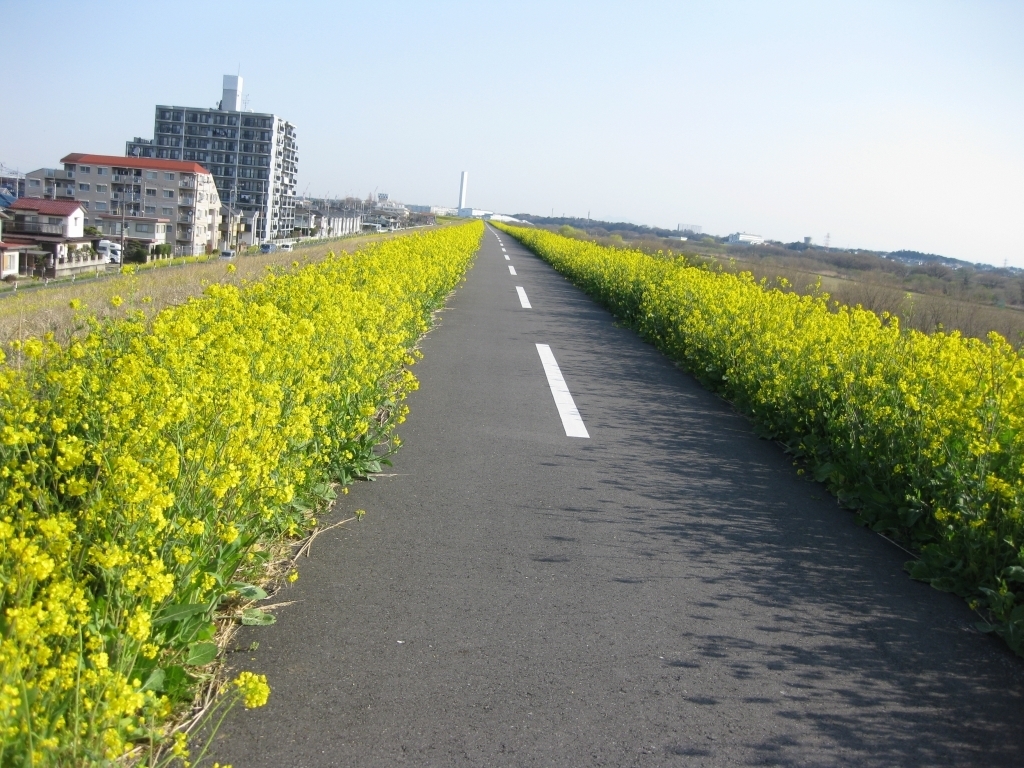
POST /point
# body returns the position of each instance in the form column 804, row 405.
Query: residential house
column 335, row 224
column 12, row 183
column 10, row 252
column 54, row 232
column 237, row 228
column 316, row 221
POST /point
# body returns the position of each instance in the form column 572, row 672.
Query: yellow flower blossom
column 253, row 688
column 922, row 433
column 154, row 462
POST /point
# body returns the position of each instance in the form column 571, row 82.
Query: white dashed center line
column 572, row 422
column 507, row 258
column 511, row 269
column 522, row 297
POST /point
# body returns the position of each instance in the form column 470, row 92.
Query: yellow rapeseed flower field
column 920, row 433
column 149, row 462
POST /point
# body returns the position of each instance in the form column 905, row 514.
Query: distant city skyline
column 891, row 126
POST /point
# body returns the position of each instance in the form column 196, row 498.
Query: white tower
column 232, row 98
column 463, row 189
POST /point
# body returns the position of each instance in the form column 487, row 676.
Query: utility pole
column 124, row 204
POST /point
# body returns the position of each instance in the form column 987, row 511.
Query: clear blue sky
column 889, row 125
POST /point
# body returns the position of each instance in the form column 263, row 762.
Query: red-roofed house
column 156, row 200
column 9, row 251
column 56, row 228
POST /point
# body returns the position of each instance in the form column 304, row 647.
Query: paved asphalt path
column 665, row 592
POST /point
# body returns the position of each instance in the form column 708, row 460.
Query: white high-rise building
column 253, row 156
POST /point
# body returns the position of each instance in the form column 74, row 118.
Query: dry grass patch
column 35, row 312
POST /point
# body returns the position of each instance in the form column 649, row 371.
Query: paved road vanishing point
column 583, row 558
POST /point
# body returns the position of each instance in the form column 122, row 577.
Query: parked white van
column 109, row 250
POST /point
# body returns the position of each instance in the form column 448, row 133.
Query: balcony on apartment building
column 35, row 227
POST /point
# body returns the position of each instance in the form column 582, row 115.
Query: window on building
column 151, row 174
column 101, row 187
column 169, row 176
column 151, row 210
column 101, row 206
column 150, row 192
column 169, row 193
column 33, row 182
column 142, row 227
column 84, row 204
column 167, row 211
column 84, row 169
column 83, row 187
column 102, row 171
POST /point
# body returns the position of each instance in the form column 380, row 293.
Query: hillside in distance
column 927, row 291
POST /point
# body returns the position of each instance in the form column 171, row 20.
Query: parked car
column 267, row 248
column 227, row 254
column 110, row 251
column 286, row 246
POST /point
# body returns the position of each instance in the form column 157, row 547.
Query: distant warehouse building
column 744, row 239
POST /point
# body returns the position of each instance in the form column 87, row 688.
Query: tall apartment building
column 157, row 201
column 253, row 156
